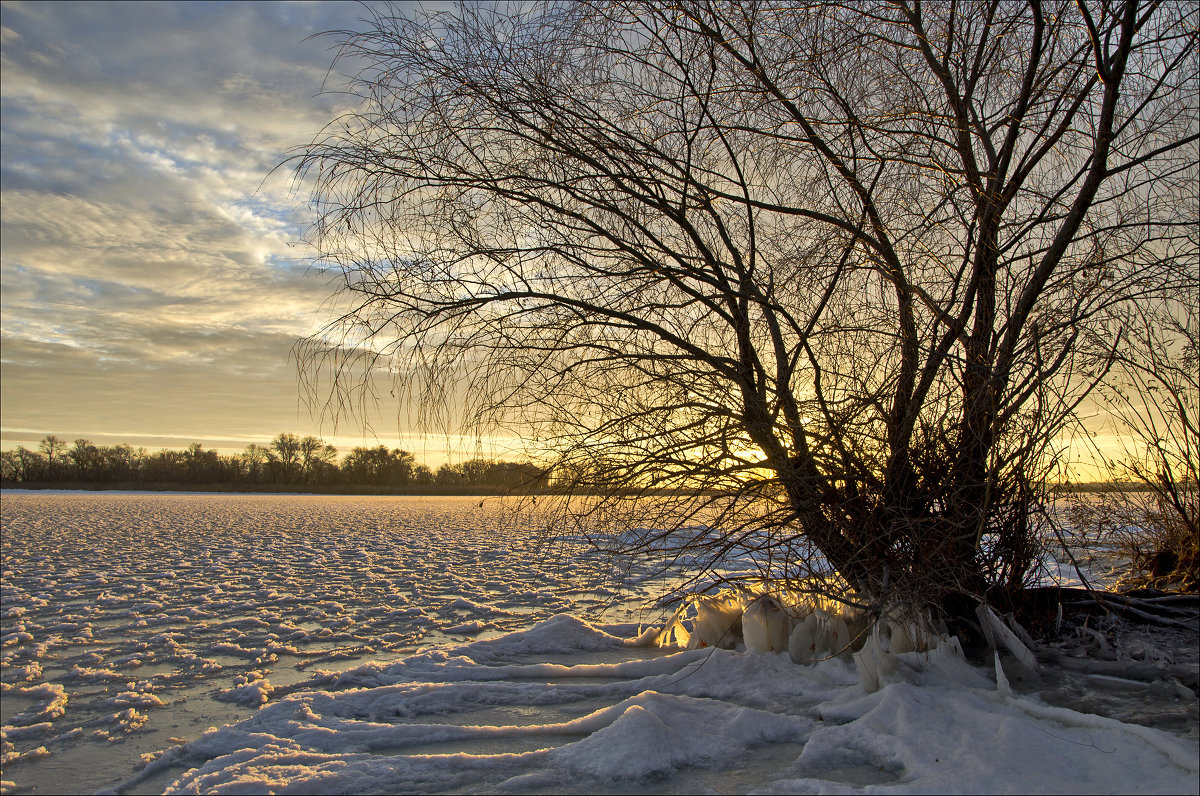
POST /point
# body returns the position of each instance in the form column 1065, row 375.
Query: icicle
column 998, row 634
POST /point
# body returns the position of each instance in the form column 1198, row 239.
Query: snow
column 679, row 724
column 195, row 610
column 408, row 645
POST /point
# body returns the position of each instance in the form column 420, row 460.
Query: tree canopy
column 832, row 269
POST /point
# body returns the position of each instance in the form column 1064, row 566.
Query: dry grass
column 1149, row 531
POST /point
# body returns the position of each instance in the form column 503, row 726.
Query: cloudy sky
column 153, row 277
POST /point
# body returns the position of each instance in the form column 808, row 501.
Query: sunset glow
column 154, row 278
column 153, row 266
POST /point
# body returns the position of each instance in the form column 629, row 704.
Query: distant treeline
column 287, row 461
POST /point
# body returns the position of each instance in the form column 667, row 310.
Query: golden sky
column 153, row 277
column 153, row 281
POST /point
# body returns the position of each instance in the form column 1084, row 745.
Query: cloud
column 152, row 273
column 190, row 252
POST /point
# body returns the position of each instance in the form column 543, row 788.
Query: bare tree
column 24, row 465
column 54, row 449
column 86, row 458
column 809, row 276
column 255, row 457
column 284, row 453
column 314, row 457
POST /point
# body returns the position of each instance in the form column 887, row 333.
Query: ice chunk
column 999, row 635
column 251, row 688
column 837, row 634
column 52, row 706
column 468, row 628
column 892, row 646
column 804, row 639
column 873, row 662
column 673, row 635
column 1001, row 680
column 647, row 637
column 765, row 626
column 718, row 619
column 136, row 698
column 821, row 635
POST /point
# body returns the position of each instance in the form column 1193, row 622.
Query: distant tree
column 311, row 460
column 118, row 463
column 476, row 472
column 86, row 458
column 327, row 468
column 166, row 466
column 360, row 467
column 824, row 265
column 201, row 466
column 521, row 475
column 233, row 469
column 400, row 467
column 53, row 449
column 1156, row 398
column 284, row 454
column 449, row 475
column 315, row 458
column 379, row 467
column 501, row 474
column 9, row 466
column 255, row 458
column 34, row 466
column 1153, row 394
column 422, row 476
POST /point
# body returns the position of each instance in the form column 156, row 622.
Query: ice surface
column 194, row 610
column 400, row 645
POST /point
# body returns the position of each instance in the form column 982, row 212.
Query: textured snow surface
column 255, row 644
column 693, row 721
column 129, row 620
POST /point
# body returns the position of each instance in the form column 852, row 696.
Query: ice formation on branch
column 813, row 630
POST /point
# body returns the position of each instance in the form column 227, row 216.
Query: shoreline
column 274, row 489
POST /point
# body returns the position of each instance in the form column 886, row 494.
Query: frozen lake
column 129, row 620
column 267, row 643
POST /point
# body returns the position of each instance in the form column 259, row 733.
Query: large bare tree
column 802, row 282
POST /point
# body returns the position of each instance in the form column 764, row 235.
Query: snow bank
column 488, row 716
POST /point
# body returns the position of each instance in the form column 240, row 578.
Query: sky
column 153, row 278
column 153, row 275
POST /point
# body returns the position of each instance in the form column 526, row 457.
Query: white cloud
column 150, row 271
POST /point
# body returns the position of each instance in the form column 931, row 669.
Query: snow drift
column 494, row 716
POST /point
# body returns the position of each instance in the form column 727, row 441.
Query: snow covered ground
column 433, row 645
